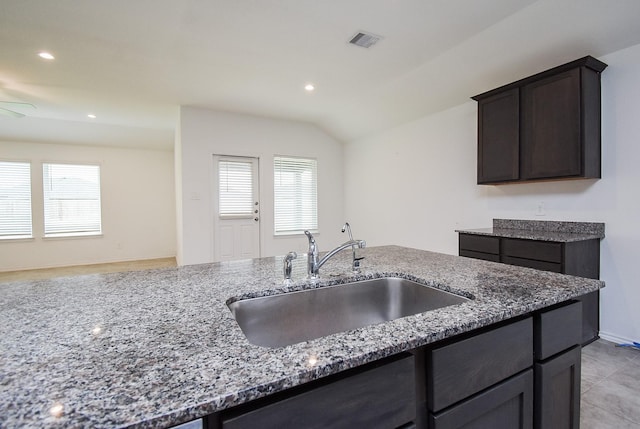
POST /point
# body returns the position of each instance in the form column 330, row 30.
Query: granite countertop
column 557, row 231
column 156, row 348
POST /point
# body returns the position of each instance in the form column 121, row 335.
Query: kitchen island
column 157, row 348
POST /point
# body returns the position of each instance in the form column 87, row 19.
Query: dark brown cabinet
column 557, row 367
column 577, row 258
column 543, row 127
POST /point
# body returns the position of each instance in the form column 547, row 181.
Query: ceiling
column 132, row 63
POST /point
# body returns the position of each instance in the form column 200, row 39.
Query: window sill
column 292, row 233
column 16, row 239
column 65, row 236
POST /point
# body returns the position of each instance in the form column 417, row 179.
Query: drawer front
column 380, row 397
column 531, row 263
column 529, row 249
column 479, row 243
column 480, row 255
column 557, row 330
column 507, row 405
column 466, row 367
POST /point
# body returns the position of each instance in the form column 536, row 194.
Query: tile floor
column 610, row 387
column 610, row 374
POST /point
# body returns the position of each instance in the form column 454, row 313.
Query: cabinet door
column 551, row 127
column 557, row 392
column 507, row 405
column 498, row 137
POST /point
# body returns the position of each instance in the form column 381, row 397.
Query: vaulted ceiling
column 133, row 62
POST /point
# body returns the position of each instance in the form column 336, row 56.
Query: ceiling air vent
column 366, row 40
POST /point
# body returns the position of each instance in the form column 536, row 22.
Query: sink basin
column 293, row 317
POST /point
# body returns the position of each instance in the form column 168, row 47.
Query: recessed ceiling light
column 309, row 87
column 91, row 115
column 46, row 56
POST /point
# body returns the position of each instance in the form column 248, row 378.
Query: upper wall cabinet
column 543, row 127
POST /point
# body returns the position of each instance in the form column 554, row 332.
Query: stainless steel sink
column 289, row 318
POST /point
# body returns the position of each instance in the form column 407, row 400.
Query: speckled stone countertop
column 558, row 231
column 156, row 348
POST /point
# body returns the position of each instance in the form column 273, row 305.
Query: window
column 71, row 199
column 15, row 200
column 235, row 189
column 295, row 195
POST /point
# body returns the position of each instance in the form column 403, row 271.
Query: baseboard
column 615, row 338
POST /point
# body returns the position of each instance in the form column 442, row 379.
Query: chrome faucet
column 313, row 261
column 288, row 265
column 355, row 264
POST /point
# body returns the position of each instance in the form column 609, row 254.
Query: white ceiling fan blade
column 11, row 113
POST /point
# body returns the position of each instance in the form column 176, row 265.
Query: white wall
column 415, row 184
column 204, row 133
column 138, row 207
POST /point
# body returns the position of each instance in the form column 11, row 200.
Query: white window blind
column 71, row 199
column 15, row 200
column 295, row 195
column 236, row 188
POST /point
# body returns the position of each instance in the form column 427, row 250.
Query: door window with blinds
column 295, row 195
column 235, row 192
column 15, row 200
column 71, row 199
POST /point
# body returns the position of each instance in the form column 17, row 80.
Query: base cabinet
column 579, row 258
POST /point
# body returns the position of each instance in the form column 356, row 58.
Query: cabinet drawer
column 532, row 263
column 557, row 330
column 506, row 405
column 382, row 396
column 480, row 255
column 529, row 249
column 479, row 243
column 466, row 367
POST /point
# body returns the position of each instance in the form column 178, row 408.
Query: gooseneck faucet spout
column 313, row 261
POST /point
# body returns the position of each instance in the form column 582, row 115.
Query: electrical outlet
column 540, row 210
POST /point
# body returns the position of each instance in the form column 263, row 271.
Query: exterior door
column 236, row 208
